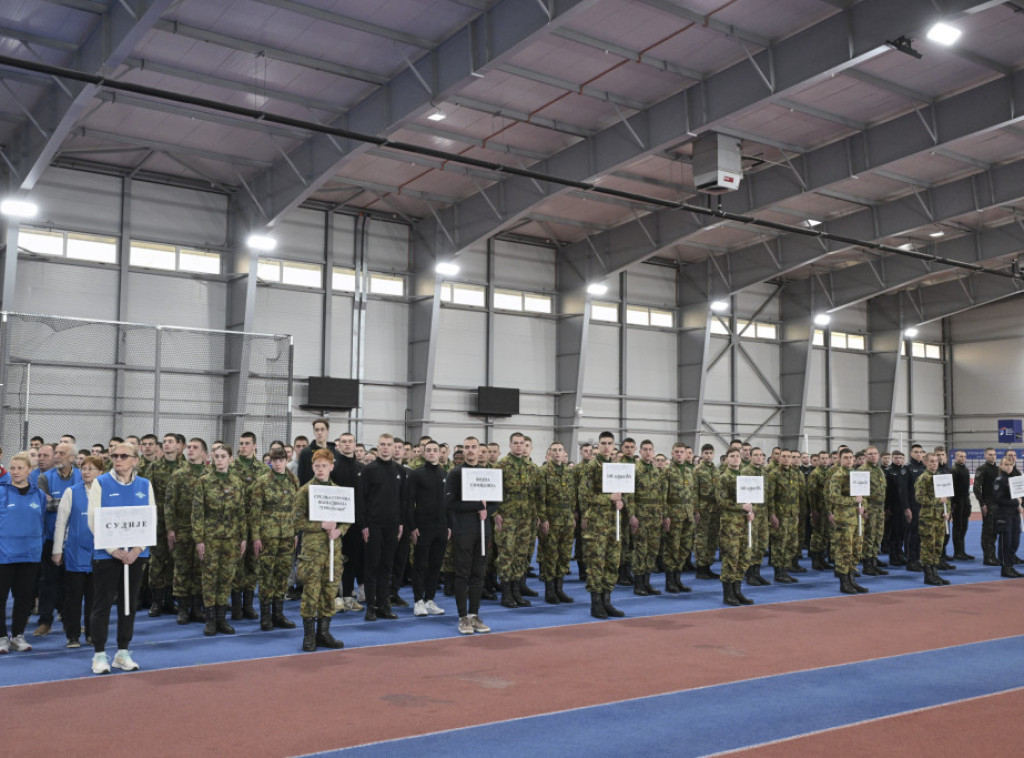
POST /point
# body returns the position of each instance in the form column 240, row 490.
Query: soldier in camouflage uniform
column 647, row 519
column 248, row 468
column 755, row 466
column 601, row 547
column 515, row 522
column 933, row 518
column 557, row 498
column 732, row 533
column 821, row 526
column 318, row 591
column 272, row 500
column 626, row 578
column 218, row 528
column 179, row 494
column 586, row 455
column 707, row 518
column 843, row 511
column 784, row 493
column 161, row 564
column 874, row 524
column 678, row 539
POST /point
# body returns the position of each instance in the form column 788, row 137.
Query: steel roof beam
column 350, row 23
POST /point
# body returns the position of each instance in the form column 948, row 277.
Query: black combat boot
column 369, row 615
column 525, row 590
column 597, row 606
column 277, row 617
column 729, row 594
column 737, row 588
column 266, row 623
column 869, row 568
column 711, row 574
column 931, row 577
column 508, row 598
column 748, row 575
column 222, row 620
column 308, row 635
column 170, row 607
column 638, row 586
column 844, row 585
column 236, row 605
column 384, row 612
column 184, row 610
column 795, row 567
column 197, row 613
column 248, row 611
column 611, row 610
column 914, row 566
column 879, row 571
column 688, row 566
column 156, row 609
column 816, row 563
column 647, row 586
column 560, row 592
column 760, row 579
column 781, row 577
column 517, row 593
column 853, row 583
column 211, row 623
column 324, row 638
column 946, row 565
column 679, row 584
column 670, row 583
column 549, row 593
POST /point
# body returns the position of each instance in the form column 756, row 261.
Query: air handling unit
column 717, row 166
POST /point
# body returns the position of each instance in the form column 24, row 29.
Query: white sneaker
column 123, row 660
column 339, row 604
column 351, row 604
column 420, row 609
column 19, row 644
column 5, row 645
column 434, row 609
column 361, row 596
column 100, row 663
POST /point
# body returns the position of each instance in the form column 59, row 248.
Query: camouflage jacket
column 159, row 474
column 837, row 491
column 519, row 481
column 725, row 491
column 704, row 479
column 178, row 497
column 877, row 496
column 272, row 506
column 784, row 486
column 594, row 502
column 218, row 508
column 924, row 491
column 557, row 485
column 651, row 487
column 314, row 538
column 681, row 491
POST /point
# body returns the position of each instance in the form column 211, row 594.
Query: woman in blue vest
column 73, row 548
column 119, row 488
column 22, row 511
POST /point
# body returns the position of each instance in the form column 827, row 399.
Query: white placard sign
column 483, row 484
column 943, row 485
column 750, row 489
column 860, row 483
column 618, row 477
column 125, row 526
column 328, row 503
column 1016, row 486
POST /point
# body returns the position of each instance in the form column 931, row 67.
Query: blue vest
column 21, row 524
column 57, row 485
column 117, row 495
column 78, row 547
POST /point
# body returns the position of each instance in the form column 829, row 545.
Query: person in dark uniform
column 984, row 477
column 897, row 502
column 381, row 501
column 961, row 511
column 1007, row 515
column 428, row 521
column 912, row 513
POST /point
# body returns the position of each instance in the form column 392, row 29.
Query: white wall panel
column 651, row 363
column 750, row 299
column 601, row 376
column 461, row 348
column 341, row 336
column 300, row 314
column 1000, row 319
column 78, row 201
column 929, row 396
column 66, row 290
column 816, row 384
column 300, row 236
column 387, row 341
column 599, row 412
column 177, row 301
column 525, row 352
column 750, row 388
column 983, row 375
column 473, row 264
column 344, row 239
column 387, row 246
column 385, row 409
column 161, row 213
column 849, row 381
column 900, row 398
column 717, row 383
column 651, row 285
column 526, row 267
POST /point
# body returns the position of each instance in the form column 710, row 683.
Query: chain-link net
column 98, row 379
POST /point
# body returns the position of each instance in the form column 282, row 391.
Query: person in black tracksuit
column 1007, row 518
column 897, row 501
column 381, row 511
column 346, row 474
column 428, row 522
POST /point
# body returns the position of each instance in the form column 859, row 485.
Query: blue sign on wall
column 1010, row 430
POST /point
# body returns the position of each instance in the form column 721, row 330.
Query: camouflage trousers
column 801, row 527
column 276, row 564
column 219, row 571
column 514, row 542
column 554, row 550
column 932, row 528
column 247, row 571
column 874, row 528
column 706, row 534
column 761, row 532
column 601, row 550
column 647, row 539
column 188, row 573
column 845, row 538
column 732, row 541
column 677, row 542
column 314, row 571
column 161, row 564
column 785, row 539
column 821, row 530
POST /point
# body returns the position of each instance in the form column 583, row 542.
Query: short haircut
column 201, row 441
column 247, row 436
column 180, row 439
column 302, row 437
column 38, row 439
column 149, row 436
column 915, row 446
column 386, row 436
column 707, row 446
column 470, row 439
column 323, row 421
column 516, row 434
column 95, row 461
column 646, row 442
column 116, row 440
column 629, row 439
column 897, row 452
column 70, row 437
column 606, row 436
column 323, row 455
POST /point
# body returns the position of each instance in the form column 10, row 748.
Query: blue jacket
column 21, row 524
column 56, row 485
column 117, row 495
column 78, row 544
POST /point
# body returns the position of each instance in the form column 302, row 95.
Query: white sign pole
column 330, row 576
column 949, row 526
column 750, row 535
column 127, row 596
column 618, row 533
column 483, row 536
column 860, row 525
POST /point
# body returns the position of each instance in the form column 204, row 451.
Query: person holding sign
column 218, row 528
column 73, row 548
column 471, row 535
column 1008, row 514
column 874, row 523
column 272, row 501
column 602, row 546
column 932, row 519
column 844, row 510
column 119, row 488
column 319, row 587
column 22, row 523
column 759, row 530
column 733, row 530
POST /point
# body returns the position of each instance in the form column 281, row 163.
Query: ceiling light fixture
column 944, row 34
column 597, row 289
column 822, row 319
column 811, row 223
column 437, row 116
column 910, row 332
column 719, row 306
column 14, row 208
column 261, row 242
column 938, row 233
column 447, row 268
column 907, row 246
